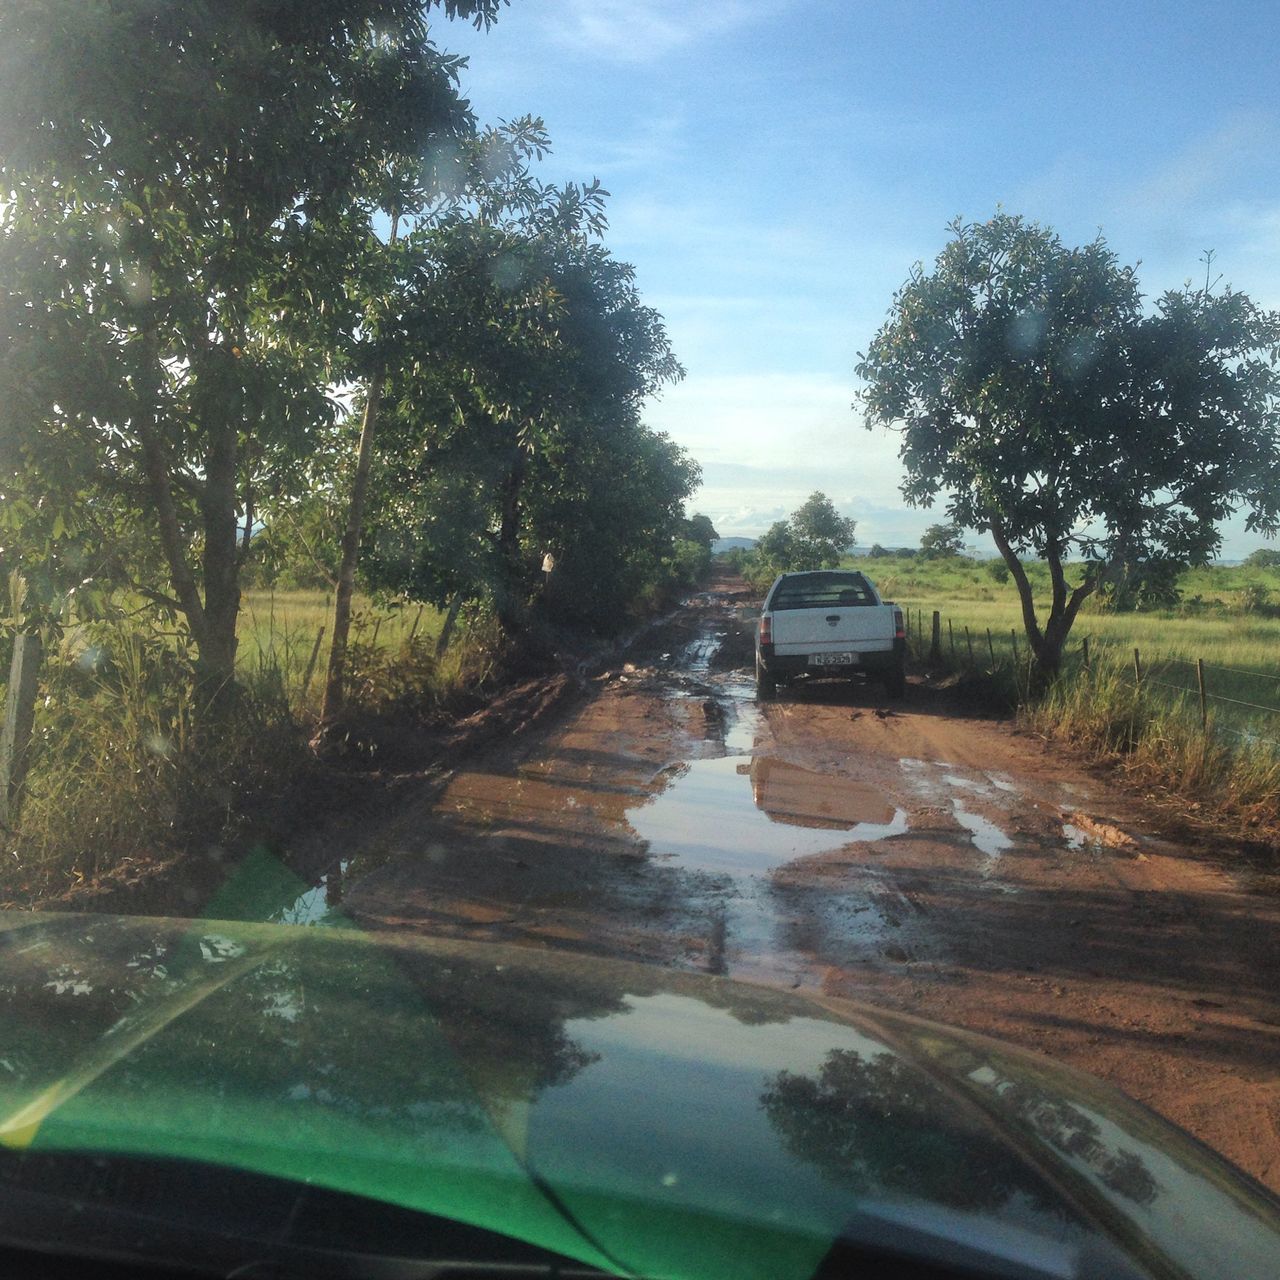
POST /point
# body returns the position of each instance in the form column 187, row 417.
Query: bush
column 998, row 571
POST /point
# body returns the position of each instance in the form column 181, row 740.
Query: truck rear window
column 822, row 590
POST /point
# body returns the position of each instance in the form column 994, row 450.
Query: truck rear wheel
column 766, row 685
column 895, row 683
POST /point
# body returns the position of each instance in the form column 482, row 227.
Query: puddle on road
column 988, row 839
column 743, row 816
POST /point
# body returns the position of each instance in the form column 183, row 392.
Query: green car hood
column 636, row 1119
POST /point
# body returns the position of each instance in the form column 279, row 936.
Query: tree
column 166, row 206
column 698, row 528
column 777, row 548
column 1263, row 558
column 814, row 536
column 1038, row 396
column 821, row 534
column 941, row 540
column 518, row 416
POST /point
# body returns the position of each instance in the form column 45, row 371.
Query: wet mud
column 902, row 854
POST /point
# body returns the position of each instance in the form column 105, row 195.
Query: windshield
column 424, row 799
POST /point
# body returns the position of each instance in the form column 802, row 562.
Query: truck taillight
column 899, row 631
column 766, row 629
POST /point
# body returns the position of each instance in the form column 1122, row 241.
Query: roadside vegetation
column 317, row 403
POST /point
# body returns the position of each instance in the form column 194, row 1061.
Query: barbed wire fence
column 1239, row 702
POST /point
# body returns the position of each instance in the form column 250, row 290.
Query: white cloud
column 635, row 32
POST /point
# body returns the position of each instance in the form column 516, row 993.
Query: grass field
column 278, row 632
column 1227, row 619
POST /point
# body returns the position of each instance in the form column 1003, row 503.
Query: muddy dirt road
column 903, row 855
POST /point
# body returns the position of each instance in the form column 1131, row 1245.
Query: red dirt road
column 902, row 855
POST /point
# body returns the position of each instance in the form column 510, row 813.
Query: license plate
column 832, row 659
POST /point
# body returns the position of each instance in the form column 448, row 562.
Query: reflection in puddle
column 987, row 838
column 319, row 904
column 1075, row 838
column 741, row 819
column 802, row 798
column 710, row 820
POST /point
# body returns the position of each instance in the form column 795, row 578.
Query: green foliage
column 1149, row 584
column 1039, row 397
column 815, row 536
column 998, row 571
column 698, row 528
column 940, row 540
column 186, row 210
column 1263, row 558
column 515, row 431
column 821, row 534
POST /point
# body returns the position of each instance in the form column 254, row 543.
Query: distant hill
column 721, row 545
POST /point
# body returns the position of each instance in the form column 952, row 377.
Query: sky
column 776, row 167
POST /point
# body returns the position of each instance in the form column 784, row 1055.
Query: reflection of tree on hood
column 872, row 1125
column 1074, row 1134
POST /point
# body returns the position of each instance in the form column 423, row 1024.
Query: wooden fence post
column 311, row 661
column 19, row 716
column 991, row 649
column 968, row 639
column 935, row 642
column 1137, row 666
column 1204, row 696
column 417, row 618
column 1084, row 649
column 951, row 635
column 1013, row 640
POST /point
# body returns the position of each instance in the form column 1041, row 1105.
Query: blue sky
column 776, row 168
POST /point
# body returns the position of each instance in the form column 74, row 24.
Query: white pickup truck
column 828, row 623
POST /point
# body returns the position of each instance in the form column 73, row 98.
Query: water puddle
column 743, row 816
column 988, row 839
column 318, row 905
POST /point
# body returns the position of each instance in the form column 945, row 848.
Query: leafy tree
column 1035, row 392
column 941, row 540
column 878, row 552
column 776, row 548
column 815, row 536
column 169, row 201
column 821, row 534
column 533, row 358
column 1263, row 558
column 698, row 528
column 403, row 309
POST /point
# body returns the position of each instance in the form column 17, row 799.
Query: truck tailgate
column 855, row 628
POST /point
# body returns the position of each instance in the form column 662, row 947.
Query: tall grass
column 121, row 771
column 1160, row 742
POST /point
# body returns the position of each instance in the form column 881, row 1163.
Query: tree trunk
column 509, row 600
column 221, row 566
column 334, row 688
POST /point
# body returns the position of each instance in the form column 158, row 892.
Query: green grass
column 120, row 771
column 278, row 631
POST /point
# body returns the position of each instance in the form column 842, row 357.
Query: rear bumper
column 787, row 666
